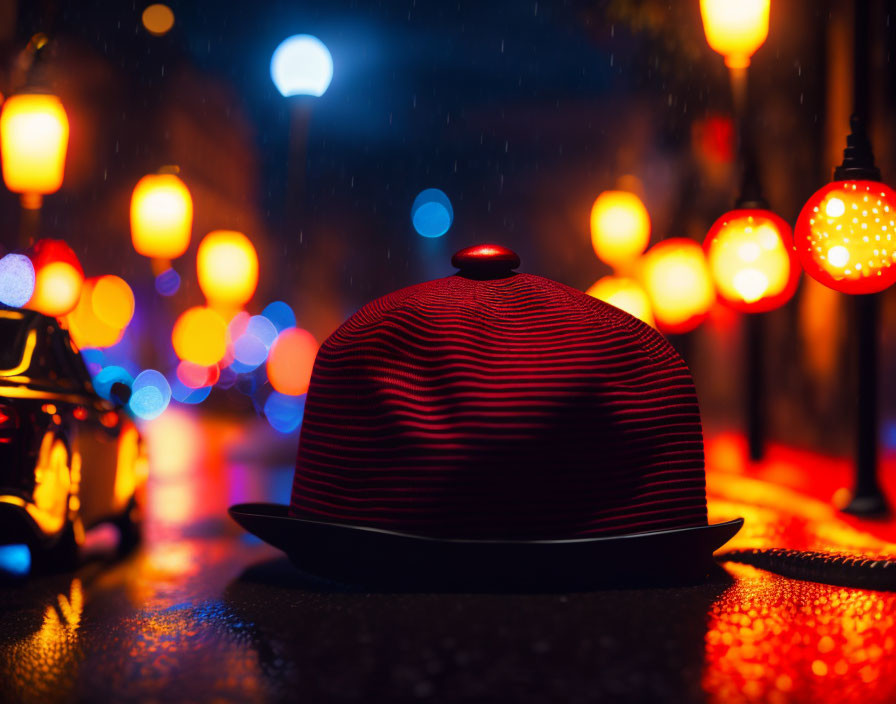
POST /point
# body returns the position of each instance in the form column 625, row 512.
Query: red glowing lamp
column 751, row 260
column 845, row 236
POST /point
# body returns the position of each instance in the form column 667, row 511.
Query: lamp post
column 33, row 142
column 747, row 247
column 301, row 69
column 845, row 238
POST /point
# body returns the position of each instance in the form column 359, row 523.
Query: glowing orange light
column 290, row 361
column 227, row 266
column 85, row 327
column 751, row 260
column 623, row 293
column 200, row 336
column 676, row 278
column 158, row 19
column 113, row 301
column 128, row 474
column 845, row 236
column 58, row 278
column 735, row 28
column 161, row 216
column 620, row 227
column 33, row 142
column 57, row 288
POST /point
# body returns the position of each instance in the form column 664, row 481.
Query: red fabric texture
column 514, row 407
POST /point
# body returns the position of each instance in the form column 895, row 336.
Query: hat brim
column 372, row 556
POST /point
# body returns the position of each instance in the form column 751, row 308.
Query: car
column 69, row 458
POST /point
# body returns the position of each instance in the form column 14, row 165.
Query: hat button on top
column 486, row 261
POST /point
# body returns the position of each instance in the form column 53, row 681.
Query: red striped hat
column 490, row 425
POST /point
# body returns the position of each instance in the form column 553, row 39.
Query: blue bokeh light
column 431, row 213
column 182, row 393
column 262, row 329
column 168, row 282
column 280, row 314
column 248, row 353
column 102, row 382
column 15, row 559
column 16, row 280
column 150, row 395
column 302, row 65
column 283, row 412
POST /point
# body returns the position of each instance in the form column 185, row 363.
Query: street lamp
column 33, row 143
column 161, row 218
column 750, row 256
column 302, row 65
column 735, row 28
column 844, row 239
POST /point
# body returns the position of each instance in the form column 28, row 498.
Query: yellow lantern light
column 33, row 142
column 620, row 227
column 677, row 281
column 624, row 293
column 161, row 216
column 227, row 267
column 735, row 28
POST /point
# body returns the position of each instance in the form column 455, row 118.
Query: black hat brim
column 375, row 557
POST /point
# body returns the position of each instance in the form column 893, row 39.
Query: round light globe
column 302, row 65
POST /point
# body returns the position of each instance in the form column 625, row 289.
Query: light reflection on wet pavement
column 202, row 612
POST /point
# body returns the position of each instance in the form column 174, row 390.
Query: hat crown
column 513, row 407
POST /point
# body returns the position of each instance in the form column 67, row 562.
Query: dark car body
column 69, row 459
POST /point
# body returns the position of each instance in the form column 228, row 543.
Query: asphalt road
column 202, row 612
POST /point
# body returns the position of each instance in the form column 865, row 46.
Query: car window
column 12, row 342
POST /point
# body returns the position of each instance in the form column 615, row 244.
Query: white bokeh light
column 302, row 65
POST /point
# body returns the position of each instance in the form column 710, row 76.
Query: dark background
column 522, row 112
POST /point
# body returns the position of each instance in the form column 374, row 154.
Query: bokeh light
column 161, row 216
column 677, row 281
column 431, row 213
column 200, row 336
column 750, row 257
column 168, row 282
column 158, row 19
column 844, row 236
column 735, row 28
column 620, row 227
column 107, row 377
column 182, row 393
column 195, row 376
column 150, row 394
column 284, row 412
column 15, row 559
column 59, row 277
column 291, row 360
column 16, row 280
column 57, row 289
column 280, row 314
column 302, row 65
column 85, row 327
column 624, row 293
column 113, row 301
column 33, row 143
column 227, row 267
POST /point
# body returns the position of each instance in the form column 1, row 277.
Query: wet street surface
column 202, row 612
